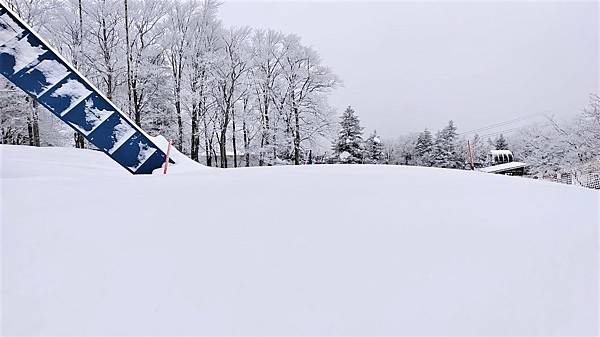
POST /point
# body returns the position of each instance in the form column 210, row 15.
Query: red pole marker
column 167, row 157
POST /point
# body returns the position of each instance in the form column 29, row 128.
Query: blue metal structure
column 30, row 63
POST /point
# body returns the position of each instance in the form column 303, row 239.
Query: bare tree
column 229, row 83
column 306, row 78
column 267, row 54
column 182, row 17
column 200, row 61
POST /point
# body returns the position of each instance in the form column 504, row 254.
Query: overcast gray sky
column 411, row 65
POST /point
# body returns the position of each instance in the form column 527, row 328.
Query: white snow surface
column 6, row 34
column 503, row 167
column 74, row 90
column 93, row 116
column 10, row 30
column 121, row 133
column 53, row 73
column 89, row 249
column 145, row 152
column 500, row 152
column 183, row 164
column 23, row 52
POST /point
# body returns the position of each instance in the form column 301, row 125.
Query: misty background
column 410, row 65
column 239, row 84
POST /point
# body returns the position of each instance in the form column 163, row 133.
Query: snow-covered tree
column 146, row 26
column 424, row 149
column 561, row 145
column 230, row 82
column 307, row 80
column 14, row 124
column 445, row 150
column 267, row 47
column 500, row 143
column 177, row 71
column 374, row 149
column 349, row 147
column 586, row 138
column 200, row 61
column 480, row 148
column 102, row 57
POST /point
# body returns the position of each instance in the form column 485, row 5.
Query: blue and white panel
column 31, row 65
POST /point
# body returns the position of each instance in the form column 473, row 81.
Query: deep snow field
column 88, row 249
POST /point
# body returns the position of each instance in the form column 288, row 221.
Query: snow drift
column 88, row 249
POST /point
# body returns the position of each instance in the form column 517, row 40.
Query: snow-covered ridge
column 88, row 249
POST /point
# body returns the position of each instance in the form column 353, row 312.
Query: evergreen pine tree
column 424, row 148
column 444, row 148
column 374, row 149
column 500, row 143
column 348, row 147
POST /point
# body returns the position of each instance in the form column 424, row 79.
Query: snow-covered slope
column 88, row 249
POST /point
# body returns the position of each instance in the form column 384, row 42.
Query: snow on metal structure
column 32, row 65
column 501, row 168
column 501, row 156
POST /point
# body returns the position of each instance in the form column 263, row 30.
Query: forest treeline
column 548, row 147
column 220, row 93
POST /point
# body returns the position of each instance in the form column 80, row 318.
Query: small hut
column 503, row 163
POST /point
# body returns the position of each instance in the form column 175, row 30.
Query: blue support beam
column 32, row 65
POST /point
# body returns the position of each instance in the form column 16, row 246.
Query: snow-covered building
column 503, row 163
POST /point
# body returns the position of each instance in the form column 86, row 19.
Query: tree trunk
column 246, row 143
column 296, row 135
column 245, row 134
column 177, row 74
column 223, row 140
column 30, row 130
column 179, row 124
column 207, row 142
column 265, row 141
column 79, row 141
column 233, row 140
column 223, row 131
column 80, row 49
column 35, row 125
column 128, row 56
column 214, row 153
column 136, row 104
column 195, row 137
column 222, row 148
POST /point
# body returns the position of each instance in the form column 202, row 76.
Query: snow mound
column 89, row 249
column 183, row 164
column 53, row 162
